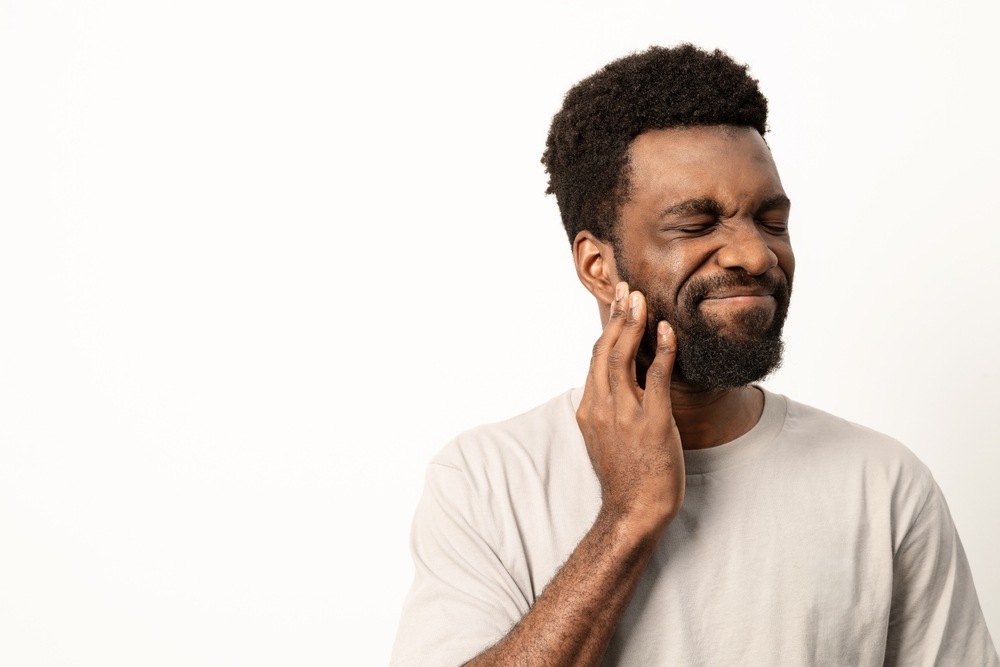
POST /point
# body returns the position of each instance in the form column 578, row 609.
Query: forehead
column 730, row 164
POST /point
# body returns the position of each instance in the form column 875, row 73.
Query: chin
column 750, row 325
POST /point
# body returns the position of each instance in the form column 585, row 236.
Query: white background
column 260, row 260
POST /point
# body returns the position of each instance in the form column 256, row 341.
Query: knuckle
column 657, row 372
column 634, row 323
column 616, row 358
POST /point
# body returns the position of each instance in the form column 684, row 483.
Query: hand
column 631, row 435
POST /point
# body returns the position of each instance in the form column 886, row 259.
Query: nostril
column 749, row 252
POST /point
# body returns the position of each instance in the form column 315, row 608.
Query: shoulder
column 531, row 435
column 512, row 477
column 539, row 446
column 817, row 429
column 865, row 461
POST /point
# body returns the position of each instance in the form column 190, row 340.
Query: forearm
column 635, row 448
column 574, row 618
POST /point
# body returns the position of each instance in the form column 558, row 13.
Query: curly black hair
column 586, row 153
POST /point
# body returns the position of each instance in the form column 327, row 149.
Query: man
column 672, row 512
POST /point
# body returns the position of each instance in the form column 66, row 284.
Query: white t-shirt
column 807, row 541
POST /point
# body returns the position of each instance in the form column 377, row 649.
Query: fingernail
column 620, row 291
column 633, row 311
column 663, row 329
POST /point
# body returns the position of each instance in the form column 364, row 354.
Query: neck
column 710, row 417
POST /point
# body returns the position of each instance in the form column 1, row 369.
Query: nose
column 746, row 248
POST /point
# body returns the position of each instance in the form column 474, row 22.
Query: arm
column 935, row 617
column 635, row 449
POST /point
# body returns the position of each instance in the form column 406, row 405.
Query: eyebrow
column 708, row 206
column 775, row 201
column 699, row 206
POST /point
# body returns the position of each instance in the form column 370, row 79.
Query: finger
column 599, row 360
column 660, row 371
column 621, row 360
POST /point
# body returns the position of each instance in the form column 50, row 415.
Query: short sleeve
column 463, row 600
column 935, row 617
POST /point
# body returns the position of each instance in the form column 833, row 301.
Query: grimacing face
column 704, row 235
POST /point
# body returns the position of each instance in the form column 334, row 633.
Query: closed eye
column 772, row 214
column 694, row 229
column 774, row 226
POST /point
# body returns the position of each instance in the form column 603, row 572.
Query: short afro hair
column 586, row 153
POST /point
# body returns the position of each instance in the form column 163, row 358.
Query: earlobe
column 595, row 266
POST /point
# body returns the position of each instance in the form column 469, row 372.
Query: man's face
column 704, row 235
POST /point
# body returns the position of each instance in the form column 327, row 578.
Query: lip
column 740, row 294
column 740, row 299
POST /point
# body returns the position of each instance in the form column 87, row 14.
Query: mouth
column 739, row 300
column 741, row 296
column 726, row 296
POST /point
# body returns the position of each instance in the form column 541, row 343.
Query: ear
column 595, row 266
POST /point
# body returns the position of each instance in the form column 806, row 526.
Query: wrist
column 634, row 526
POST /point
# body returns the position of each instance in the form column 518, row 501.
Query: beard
column 711, row 354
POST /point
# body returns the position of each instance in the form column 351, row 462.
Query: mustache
column 698, row 290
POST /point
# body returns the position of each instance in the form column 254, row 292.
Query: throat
column 708, row 418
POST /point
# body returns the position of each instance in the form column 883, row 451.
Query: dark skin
column 670, row 233
column 702, row 201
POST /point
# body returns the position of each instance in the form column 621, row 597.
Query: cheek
column 676, row 270
column 671, row 262
column 786, row 259
column 660, row 269
column 659, row 279
column 661, row 283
